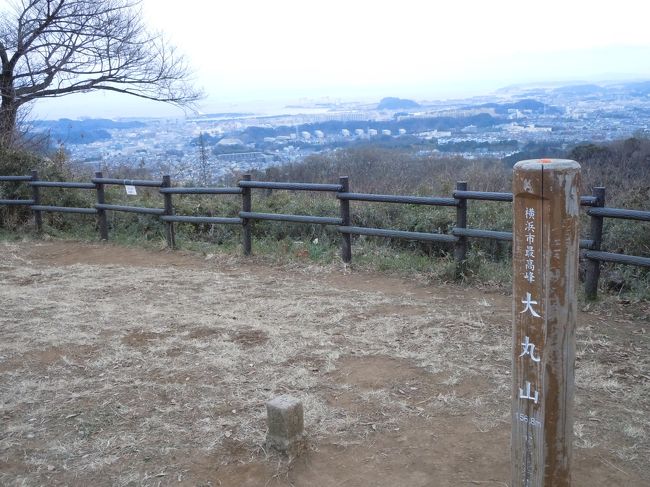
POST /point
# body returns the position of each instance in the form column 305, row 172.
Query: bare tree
column 52, row 48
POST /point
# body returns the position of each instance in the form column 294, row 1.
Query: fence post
column 36, row 197
column 346, row 238
column 247, row 205
column 545, row 267
column 101, row 214
column 460, row 247
column 596, row 235
column 169, row 211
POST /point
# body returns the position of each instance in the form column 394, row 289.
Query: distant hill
column 392, row 103
column 627, row 88
column 226, row 115
column 67, row 131
column 640, row 88
column 256, row 133
column 527, row 104
column 580, row 90
column 86, row 124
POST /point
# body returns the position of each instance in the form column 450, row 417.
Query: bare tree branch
column 52, row 48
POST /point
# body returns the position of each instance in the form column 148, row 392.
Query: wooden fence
column 458, row 236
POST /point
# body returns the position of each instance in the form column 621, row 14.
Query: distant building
column 385, row 132
column 434, row 134
column 249, row 158
column 227, row 141
column 359, row 132
column 345, row 133
column 319, row 134
column 531, row 128
column 372, row 132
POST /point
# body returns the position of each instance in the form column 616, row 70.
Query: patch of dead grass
column 118, row 368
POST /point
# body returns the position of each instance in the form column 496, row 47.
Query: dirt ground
column 130, row 367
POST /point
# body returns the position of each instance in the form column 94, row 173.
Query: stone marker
column 284, row 416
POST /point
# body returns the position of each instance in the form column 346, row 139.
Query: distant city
column 500, row 125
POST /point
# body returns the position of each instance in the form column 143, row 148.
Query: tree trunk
column 8, row 114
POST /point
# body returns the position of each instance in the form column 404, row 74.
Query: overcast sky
column 256, row 51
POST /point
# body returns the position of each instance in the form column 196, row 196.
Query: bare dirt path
column 128, row 367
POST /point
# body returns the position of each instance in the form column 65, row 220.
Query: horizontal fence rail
column 128, row 182
column 200, row 190
column 617, row 258
column 290, row 186
column 477, row 233
column 62, row 184
column 389, row 198
column 620, row 213
column 16, row 202
column 491, row 196
column 588, row 201
column 64, row 209
column 482, row 195
column 457, row 237
column 15, row 178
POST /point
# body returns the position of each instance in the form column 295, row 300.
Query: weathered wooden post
column 36, row 197
column 247, row 206
column 101, row 214
column 346, row 238
column 460, row 247
column 545, row 274
column 596, row 234
column 169, row 211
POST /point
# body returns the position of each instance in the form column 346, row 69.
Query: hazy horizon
column 252, row 53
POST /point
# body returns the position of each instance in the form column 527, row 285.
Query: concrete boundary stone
column 285, row 420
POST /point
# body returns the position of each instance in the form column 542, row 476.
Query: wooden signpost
column 545, row 271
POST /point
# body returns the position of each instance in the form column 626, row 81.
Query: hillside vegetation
column 623, row 167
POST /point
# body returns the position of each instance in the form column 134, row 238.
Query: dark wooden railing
column 458, row 236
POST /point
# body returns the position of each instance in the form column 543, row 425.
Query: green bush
column 21, row 163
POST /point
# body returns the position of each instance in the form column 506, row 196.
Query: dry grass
column 117, row 374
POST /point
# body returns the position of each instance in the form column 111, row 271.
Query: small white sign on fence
column 130, row 190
